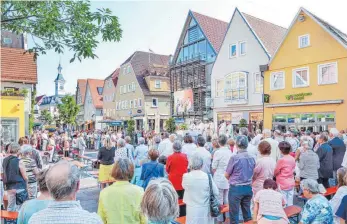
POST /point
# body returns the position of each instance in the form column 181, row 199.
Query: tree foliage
column 46, row 117
column 31, row 117
column 130, row 128
column 68, row 110
column 243, row 123
column 170, row 125
column 59, row 25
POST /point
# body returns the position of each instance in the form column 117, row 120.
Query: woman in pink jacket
column 284, row 173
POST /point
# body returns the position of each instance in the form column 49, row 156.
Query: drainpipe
column 263, row 68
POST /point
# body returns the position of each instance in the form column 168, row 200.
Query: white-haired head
column 267, row 133
column 334, row 132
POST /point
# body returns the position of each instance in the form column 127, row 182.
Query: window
column 232, row 52
column 126, row 104
column 125, row 89
column 135, row 103
column 10, row 130
column 133, row 86
column 236, row 86
column 124, row 70
column 277, row 80
column 258, row 83
column 242, row 48
column 7, row 40
column 121, row 89
column 129, row 88
column 219, row 88
column 130, row 104
column 157, row 84
column 128, row 69
column 154, row 102
column 109, row 83
column 301, row 77
column 117, row 106
column 139, row 103
column 123, row 104
column 327, row 73
column 304, row 41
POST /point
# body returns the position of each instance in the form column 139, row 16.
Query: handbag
column 214, row 203
column 96, row 164
column 21, row 197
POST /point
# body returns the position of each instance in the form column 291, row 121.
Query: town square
column 173, row 112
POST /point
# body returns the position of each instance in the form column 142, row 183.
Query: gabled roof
column 269, row 34
column 38, row 99
column 18, row 66
column 214, row 29
column 146, row 63
column 94, row 86
column 338, row 35
column 82, row 84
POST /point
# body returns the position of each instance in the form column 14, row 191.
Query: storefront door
column 9, row 130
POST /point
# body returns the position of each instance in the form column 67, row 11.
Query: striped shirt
column 30, row 165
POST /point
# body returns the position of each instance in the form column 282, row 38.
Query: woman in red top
column 176, row 166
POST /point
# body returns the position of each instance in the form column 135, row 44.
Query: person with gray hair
column 140, row 157
column 160, row 202
column 129, row 146
column 317, row 208
column 275, row 151
column 14, row 177
column 63, row 181
column 308, row 162
column 243, row 131
column 339, row 149
column 197, row 192
column 163, row 144
column 30, row 169
column 176, row 166
column 239, row 172
column 206, row 155
column 156, row 142
column 122, row 151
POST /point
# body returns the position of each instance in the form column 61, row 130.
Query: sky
column 157, row 25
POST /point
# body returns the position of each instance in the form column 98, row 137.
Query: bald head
column 62, row 181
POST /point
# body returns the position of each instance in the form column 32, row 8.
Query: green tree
column 170, row 125
column 68, row 110
column 131, row 129
column 243, row 123
column 59, row 25
column 46, row 117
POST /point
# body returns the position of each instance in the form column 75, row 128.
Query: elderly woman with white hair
column 197, row 192
column 160, row 202
column 308, row 162
column 339, row 149
column 140, row 157
column 122, row 151
column 30, row 169
column 317, row 208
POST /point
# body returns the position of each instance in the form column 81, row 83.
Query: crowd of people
column 256, row 174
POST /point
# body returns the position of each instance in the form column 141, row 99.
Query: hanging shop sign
column 266, row 98
column 139, row 111
column 299, row 96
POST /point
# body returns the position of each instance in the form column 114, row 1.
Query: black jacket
column 339, row 149
column 325, row 154
column 106, row 156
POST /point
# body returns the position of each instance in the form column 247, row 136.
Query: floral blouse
column 317, row 210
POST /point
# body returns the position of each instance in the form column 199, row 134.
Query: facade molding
column 305, row 103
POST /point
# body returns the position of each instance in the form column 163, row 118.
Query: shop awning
column 112, row 122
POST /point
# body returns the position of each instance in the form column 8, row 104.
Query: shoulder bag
column 214, row 203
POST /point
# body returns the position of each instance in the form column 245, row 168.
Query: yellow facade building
column 306, row 80
column 12, row 118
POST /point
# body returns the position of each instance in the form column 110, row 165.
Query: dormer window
column 304, row 41
column 157, row 84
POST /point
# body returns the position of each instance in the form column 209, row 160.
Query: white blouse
column 219, row 163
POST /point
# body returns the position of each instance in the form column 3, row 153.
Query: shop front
column 254, row 119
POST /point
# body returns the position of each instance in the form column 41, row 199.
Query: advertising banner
column 183, row 101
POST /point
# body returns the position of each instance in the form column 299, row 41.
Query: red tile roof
column 82, row 85
column 214, row 29
column 17, row 66
column 93, row 85
column 270, row 35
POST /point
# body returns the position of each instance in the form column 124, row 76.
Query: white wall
column 89, row 108
column 255, row 56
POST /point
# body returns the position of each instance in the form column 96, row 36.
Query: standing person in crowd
column 293, row 141
column 339, row 149
column 14, row 177
column 206, row 155
column 341, row 192
column 81, row 145
column 239, row 173
column 66, row 146
column 162, row 145
column 268, row 205
column 168, row 151
column 231, row 145
column 341, row 212
column 33, row 206
column 89, row 140
column 106, row 158
column 215, row 146
column 63, row 181
column 258, row 136
column 325, row 155
column 122, row 152
column 251, row 149
column 35, row 154
column 44, row 138
column 264, row 168
column 160, row 202
column 152, row 169
column 309, row 139
column 140, row 156
column 129, row 146
column 308, row 162
column 51, row 147
column 189, row 148
column 284, row 173
column 30, row 169
column 176, row 166
column 275, row 151
column 125, row 207
column 278, row 136
column 156, row 143
column 219, row 165
column 208, row 145
column 317, row 208
column 96, row 140
column 197, row 192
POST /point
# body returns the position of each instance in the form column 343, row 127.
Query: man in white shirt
column 168, row 149
column 165, row 141
column 275, row 151
column 206, row 155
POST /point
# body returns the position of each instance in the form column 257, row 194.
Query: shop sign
column 299, row 96
column 179, row 120
column 236, row 117
column 116, row 123
column 256, row 116
column 266, row 98
column 139, row 111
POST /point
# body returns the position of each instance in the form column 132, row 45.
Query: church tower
column 59, row 83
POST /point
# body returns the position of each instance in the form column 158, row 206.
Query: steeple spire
column 59, row 66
